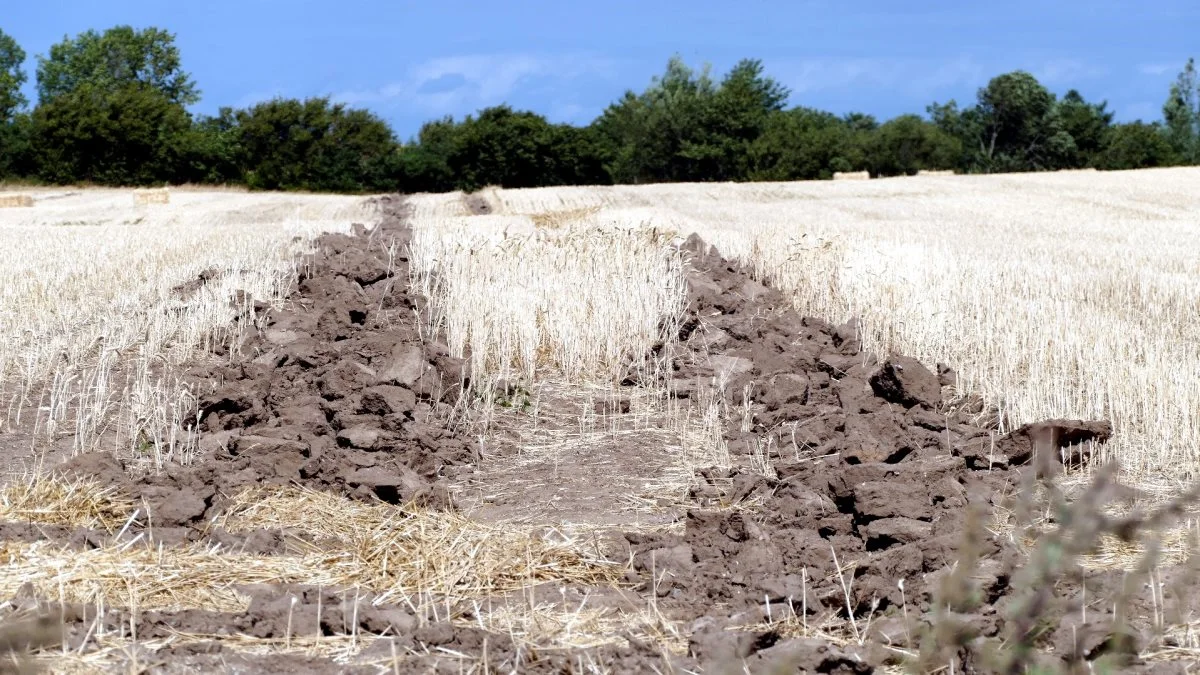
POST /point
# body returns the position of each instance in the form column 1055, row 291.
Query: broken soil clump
column 335, row 391
column 877, row 492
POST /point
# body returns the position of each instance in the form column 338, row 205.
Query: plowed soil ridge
column 336, row 391
column 867, row 506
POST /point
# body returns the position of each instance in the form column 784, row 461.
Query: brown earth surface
column 879, row 490
column 863, row 502
column 336, row 392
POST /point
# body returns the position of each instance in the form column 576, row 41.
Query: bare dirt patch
column 595, row 457
column 477, row 204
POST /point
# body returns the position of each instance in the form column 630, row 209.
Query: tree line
column 111, row 109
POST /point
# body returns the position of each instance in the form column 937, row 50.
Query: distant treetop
column 119, row 57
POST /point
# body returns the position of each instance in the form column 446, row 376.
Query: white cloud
column 949, row 74
column 919, row 77
column 454, row 83
column 259, row 96
column 566, row 112
column 1142, row 110
column 1067, row 71
column 1159, row 68
column 916, row 76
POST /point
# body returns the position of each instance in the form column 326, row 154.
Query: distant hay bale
column 160, row 196
column 557, row 219
column 851, row 175
column 15, row 200
column 935, row 172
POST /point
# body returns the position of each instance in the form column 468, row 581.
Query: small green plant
column 143, row 446
column 515, row 398
column 1031, row 608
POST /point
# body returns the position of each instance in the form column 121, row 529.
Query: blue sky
column 413, row 61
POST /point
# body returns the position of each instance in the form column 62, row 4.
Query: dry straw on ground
column 72, row 504
column 557, row 219
column 406, row 552
column 15, row 200
column 402, row 554
column 160, row 196
column 578, row 299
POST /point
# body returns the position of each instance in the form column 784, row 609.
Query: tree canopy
column 112, row 108
column 131, row 135
column 1181, row 113
column 12, row 77
column 114, row 60
column 315, row 144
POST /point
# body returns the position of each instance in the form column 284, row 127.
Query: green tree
column 111, row 109
column 514, row 149
column 214, row 150
column 737, row 114
column 1020, row 130
column 1181, row 113
column 1087, row 124
column 857, row 121
column 288, row 144
column 578, row 155
column 686, row 127
column 1136, row 145
column 962, row 125
column 132, row 135
column 659, row 135
column 907, row 144
column 12, row 77
column 1013, row 126
column 623, row 128
column 425, row 163
column 14, row 125
column 16, row 151
column 113, row 60
column 806, row 144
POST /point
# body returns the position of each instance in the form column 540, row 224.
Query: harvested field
column 549, row 431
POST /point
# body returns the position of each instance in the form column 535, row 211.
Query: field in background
column 1052, row 295
column 99, row 296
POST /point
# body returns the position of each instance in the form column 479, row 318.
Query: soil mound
column 877, row 491
column 336, row 391
column 477, row 204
